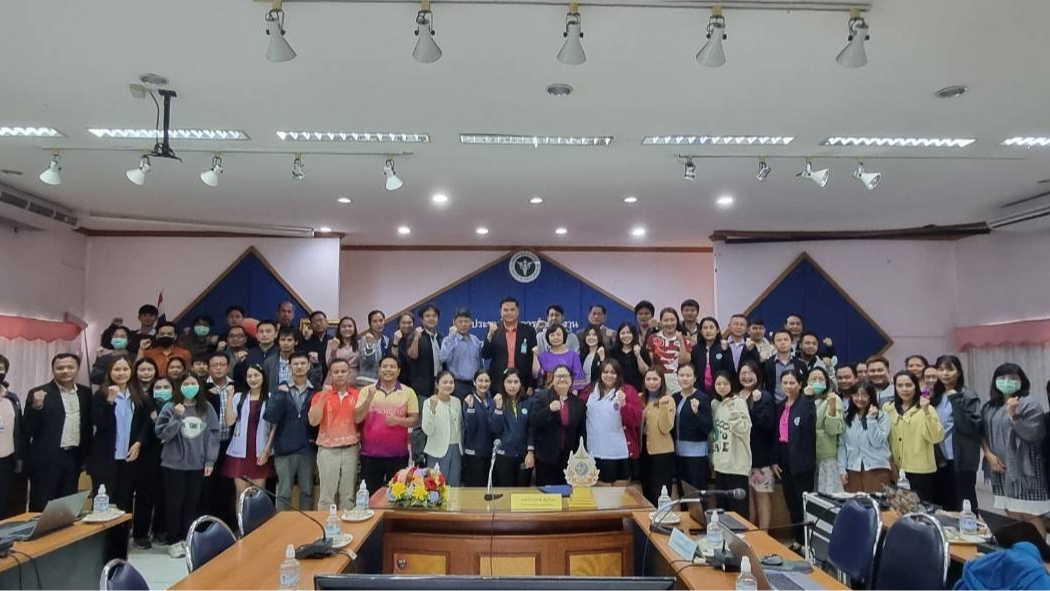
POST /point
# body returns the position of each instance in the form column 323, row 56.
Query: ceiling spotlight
column 763, row 170
column 404, row 230
column 630, row 199
column 638, row 231
column 712, row 54
column 870, row 180
column 51, row 175
column 345, row 200
column 210, row 177
column 853, row 55
column 393, row 183
column 690, row 170
column 820, row 177
column 439, row 198
column 279, row 50
column 561, row 231
column 482, row 230
column 298, row 168
column 427, row 49
column 572, row 50
column 536, row 200
column 324, row 229
column 138, row 175
column 724, row 201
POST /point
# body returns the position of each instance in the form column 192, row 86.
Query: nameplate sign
column 529, row 502
column 682, row 544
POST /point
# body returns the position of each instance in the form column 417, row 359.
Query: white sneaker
column 177, row 550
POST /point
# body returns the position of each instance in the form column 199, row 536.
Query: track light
column 821, row 177
column 279, row 49
column 51, row 174
column 210, row 177
column 298, row 168
column 690, row 170
column 870, row 180
column 712, row 54
column 138, row 175
column 853, row 55
column 763, row 170
column 427, row 50
column 393, row 183
column 572, row 50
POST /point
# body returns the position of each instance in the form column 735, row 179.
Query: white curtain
column 31, row 361
column 980, row 363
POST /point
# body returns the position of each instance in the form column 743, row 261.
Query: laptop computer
column 739, row 548
column 57, row 514
column 699, row 514
column 1009, row 531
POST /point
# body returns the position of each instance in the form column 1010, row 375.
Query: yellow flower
column 419, row 492
column 398, row 489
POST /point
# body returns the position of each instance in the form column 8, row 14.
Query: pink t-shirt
column 379, row 440
column 785, row 419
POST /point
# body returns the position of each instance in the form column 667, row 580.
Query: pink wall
column 1003, row 277
column 393, row 280
column 907, row 287
column 42, row 273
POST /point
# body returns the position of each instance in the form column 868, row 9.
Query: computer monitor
column 432, row 583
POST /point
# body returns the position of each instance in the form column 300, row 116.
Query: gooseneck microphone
column 489, row 496
column 320, row 548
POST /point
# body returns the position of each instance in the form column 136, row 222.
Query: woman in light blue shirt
column 864, row 449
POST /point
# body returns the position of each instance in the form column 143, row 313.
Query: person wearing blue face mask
column 1013, row 432
column 198, row 339
column 119, row 343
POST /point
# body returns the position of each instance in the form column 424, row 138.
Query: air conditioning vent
column 31, row 211
column 15, row 200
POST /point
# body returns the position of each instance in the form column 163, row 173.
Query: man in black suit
column 424, row 365
column 509, row 344
column 781, row 361
column 57, row 422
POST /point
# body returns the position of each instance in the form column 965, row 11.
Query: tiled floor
column 160, row 571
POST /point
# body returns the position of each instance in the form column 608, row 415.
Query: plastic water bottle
column 746, row 581
column 715, row 539
column 361, row 503
column 332, row 528
column 101, row 502
column 290, row 569
column 664, row 500
column 902, row 481
column 967, row 520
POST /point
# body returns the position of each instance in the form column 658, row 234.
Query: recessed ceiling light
column 354, row 136
column 30, row 132
column 175, row 134
column 898, row 142
column 561, row 231
column 324, row 229
column 951, row 91
column 345, row 200
column 559, row 89
column 1027, row 142
column 536, row 200
column 439, row 198
column 482, row 230
column 638, row 231
column 534, row 140
column 404, row 230
column 724, row 201
column 630, row 199
column 725, row 140
column 150, row 79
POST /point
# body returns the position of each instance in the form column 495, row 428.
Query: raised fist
column 313, row 357
column 38, row 399
column 111, row 394
column 220, row 346
column 637, row 349
column 419, row 331
column 470, row 401
column 695, row 405
column 433, row 405
column 555, row 406
column 145, row 344
column 492, row 329
column 873, row 410
column 756, row 395
column 808, row 390
column 180, row 409
column 499, row 401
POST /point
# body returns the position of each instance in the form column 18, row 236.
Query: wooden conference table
column 68, row 558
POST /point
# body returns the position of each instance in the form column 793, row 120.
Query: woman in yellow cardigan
column 658, row 467
column 915, row 429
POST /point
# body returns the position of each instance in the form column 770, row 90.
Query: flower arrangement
column 417, row 487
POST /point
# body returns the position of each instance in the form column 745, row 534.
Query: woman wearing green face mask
column 149, row 486
column 119, row 347
column 830, row 425
column 1012, row 439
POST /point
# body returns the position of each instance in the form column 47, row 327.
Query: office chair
column 207, row 538
column 915, row 536
column 119, row 575
column 854, row 540
column 254, row 508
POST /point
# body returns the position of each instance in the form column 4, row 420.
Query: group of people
column 180, row 424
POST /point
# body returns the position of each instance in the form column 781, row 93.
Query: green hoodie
column 829, row 428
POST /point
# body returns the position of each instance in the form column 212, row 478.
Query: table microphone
column 489, row 496
column 321, row 548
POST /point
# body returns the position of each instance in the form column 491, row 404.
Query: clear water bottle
column 967, row 520
column 715, row 539
column 332, row 528
column 664, row 500
column 361, row 503
column 746, row 581
column 902, row 481
column 290, row 569
column 101, row 502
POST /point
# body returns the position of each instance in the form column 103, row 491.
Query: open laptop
column 699, row 514
column 1009, row 531
column 773, row 580
column 57, row 514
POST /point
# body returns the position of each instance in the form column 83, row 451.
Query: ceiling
column 67, row 64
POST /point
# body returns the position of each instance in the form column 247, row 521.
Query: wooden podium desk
column 68, row 558
column 472, row 536
column 700, row 576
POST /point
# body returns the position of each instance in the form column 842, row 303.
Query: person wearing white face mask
column 1012, row 439
column 829, row 426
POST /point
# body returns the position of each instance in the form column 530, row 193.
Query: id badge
column 524, row 347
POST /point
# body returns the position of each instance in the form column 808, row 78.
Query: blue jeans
column 451, row 464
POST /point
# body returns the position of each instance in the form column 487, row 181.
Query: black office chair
column 207, row 538
column 916, row 536
column 119, row 575
column 855, row 540
column 254, row 508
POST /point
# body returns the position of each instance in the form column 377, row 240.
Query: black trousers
column 183, row 498
column 924, row 485
column 794, row 484
column 730, row 482
column 217, row 496
column 7, row 482
column 944, row 492
column 120, row 484
column 149, row 500
column 509, row 473
column 691, row 470
column 657, row 472
column 58, row 478
column 552, row 474
column 966, row 487
column 476, row 470
column 377, row 472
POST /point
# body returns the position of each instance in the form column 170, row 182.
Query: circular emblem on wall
column 524, row 266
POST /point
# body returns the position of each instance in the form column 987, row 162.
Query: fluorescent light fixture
column 393, row 182
column 572, row 53
column 138, row 175
column 898, row 142
column 427, row 50
column 279, row 49
column 763, row 170
column 324, row 229
column 534, row 140
column 724, row 201
column 345, row 200
column 630, row 199
column 175, row 134
column 853, row 55
column 30, row 132
column 536, row 200
column 404, row 230
column 561, row 231
column 50, row 175
column 389, row 137
column 481, row 230
column 821, row 177
column 439, row 198
column 298, row 168
column 638, row 231
column 294, row 231
column 690, row 170
column 1027, row 142
column 870, row 180
column 210, row 177
column 716, row 140
column 712, row 54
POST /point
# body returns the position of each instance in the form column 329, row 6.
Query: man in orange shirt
column 163, row 348
column 338, row 441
